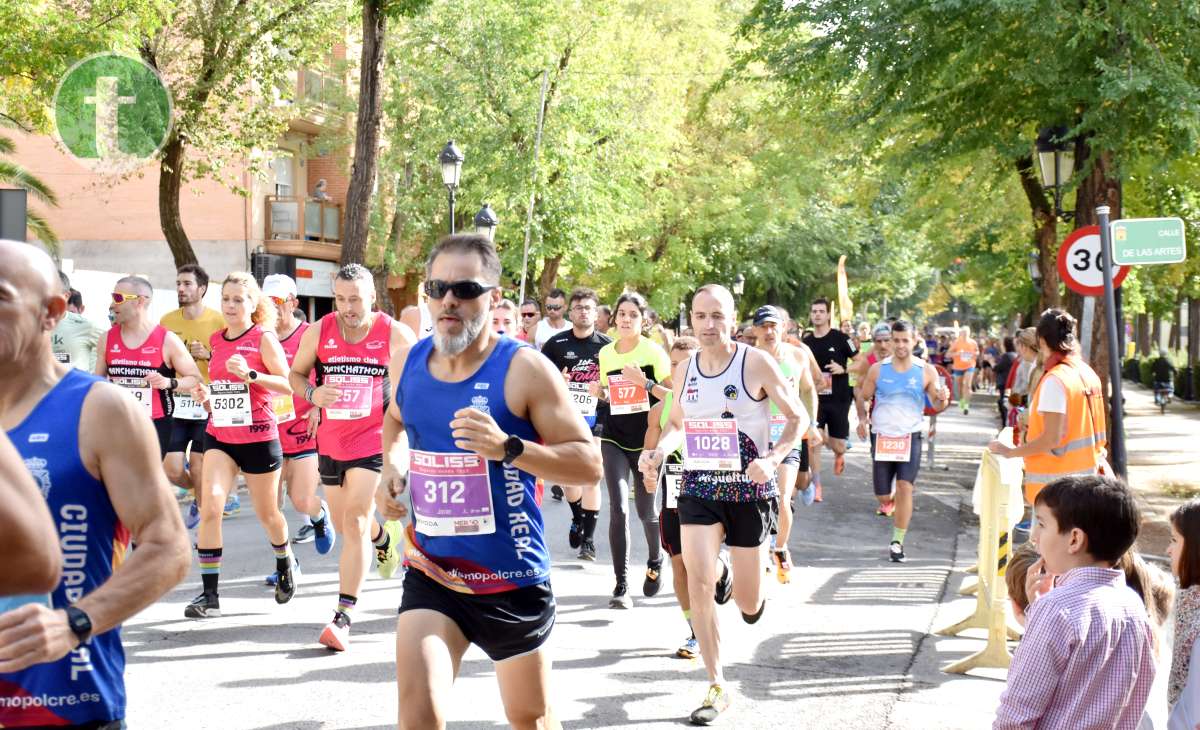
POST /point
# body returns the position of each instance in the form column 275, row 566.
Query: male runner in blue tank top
column 476, row 419
column 28, row 541
column 62, row 657
column 728, row 493
column 899, row 385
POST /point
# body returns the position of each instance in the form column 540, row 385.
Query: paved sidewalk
column 846, row 645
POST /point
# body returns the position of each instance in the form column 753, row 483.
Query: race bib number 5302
column 230, row 404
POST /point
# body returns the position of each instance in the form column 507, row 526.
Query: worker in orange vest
column 1067, row 431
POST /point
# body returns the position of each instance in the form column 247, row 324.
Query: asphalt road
column 845, row 645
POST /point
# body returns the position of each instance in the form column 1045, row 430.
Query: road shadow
column 888, row 584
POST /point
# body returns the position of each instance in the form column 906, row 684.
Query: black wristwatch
column 253, row 375
column 513, row 448
column 80, row 623
column 650, row 383
column 174, row 384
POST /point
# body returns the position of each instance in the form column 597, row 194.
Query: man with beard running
column 576, row 354
column 61, row 658
column 477, row 418
column 721, row 412
column 146, row 358
column 297, row 430
column 350, row 348
column 899, row 385
column 833, row 350
column 195, row 325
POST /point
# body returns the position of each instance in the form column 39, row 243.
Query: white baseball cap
column 279, row 285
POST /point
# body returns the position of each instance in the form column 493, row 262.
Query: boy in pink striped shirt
column 1086, row 660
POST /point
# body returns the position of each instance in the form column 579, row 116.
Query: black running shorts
column 798, row 457
column 333, row 471
column 883, row 472
column 834, row 417
column 747, row 524
column 260, row 457
column 505, row 625
column 162, row 428
column 668, row 531
column 185, row 431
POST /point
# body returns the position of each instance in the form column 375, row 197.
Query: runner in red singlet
column 297, row 421
column 145, row 357
column 247, row 370
column 350, row 349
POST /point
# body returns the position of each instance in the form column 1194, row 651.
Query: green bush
column 1132, row 370
column 1145, row 376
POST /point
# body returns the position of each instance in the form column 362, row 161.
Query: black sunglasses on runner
column 436, row 289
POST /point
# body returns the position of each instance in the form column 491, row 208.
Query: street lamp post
column 1056, row 162
column 486, row 222
column 451, row 159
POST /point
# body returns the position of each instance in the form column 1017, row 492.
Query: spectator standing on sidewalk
column 1183, row 686
column 1067, row 435
column 1002, row 368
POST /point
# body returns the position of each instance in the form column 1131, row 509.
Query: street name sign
column 1141, row 241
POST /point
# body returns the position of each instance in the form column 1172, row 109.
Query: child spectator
column 1183, row 688
column 1018, row 568
column 1087, row 657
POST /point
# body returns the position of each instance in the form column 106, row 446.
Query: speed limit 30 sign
column 1080, row 265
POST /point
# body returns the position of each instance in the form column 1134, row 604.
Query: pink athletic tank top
column 293, row 432
column 354, row 368
column 128, row 366
column 262, row 412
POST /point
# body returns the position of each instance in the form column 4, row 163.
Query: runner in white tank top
column 721, row 416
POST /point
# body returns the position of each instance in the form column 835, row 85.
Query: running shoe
column 715, row 702
column 587, row 550
column 336, row 634
column 205, row 605
column 839, row 464
column 325, row 537
column 305, row 534
column 886, row 509
column 1024, row 525
column 752, row 618
column 653, row 579
column 389, row 559
column 193, row 517
column 285, row 586
column 817, row 494
column 783, row 566
column 896, row 551
column 273, row 578
column 725, row 582
column 620, row 597
column 233, row 505
column 689, row 649
column 556, row 492
column 575, row 534
column 808, row 495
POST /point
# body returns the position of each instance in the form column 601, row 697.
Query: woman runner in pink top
column 247, row 369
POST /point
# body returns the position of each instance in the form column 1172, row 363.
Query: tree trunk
column 549, row 276
column 1045, row 234
column 170, row 181
column 366, row 135
column 1156, row 335
column 383, row 301
column 1098, row 188
column 1193, row 332
column 1143, row 334
column 1173, row 338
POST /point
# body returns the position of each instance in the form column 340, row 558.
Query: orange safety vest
column 1083, row 446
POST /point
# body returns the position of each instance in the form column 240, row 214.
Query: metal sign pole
column 1116, row 444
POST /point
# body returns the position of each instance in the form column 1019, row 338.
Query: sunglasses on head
column 278, row 300
column 119, row 297
column 436, row 289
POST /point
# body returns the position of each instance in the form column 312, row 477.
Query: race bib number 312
column 451, row 494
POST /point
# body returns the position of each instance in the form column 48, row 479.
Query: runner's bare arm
column 935, row 388
column 392, row 479
column 175, row 354
column 402, row 335
column 28, row 541
column 277, row 379
column 137, row 487
column 306, row 359
column 763, row 374
column 535, row 391
column 411, row 316
column 865, row 392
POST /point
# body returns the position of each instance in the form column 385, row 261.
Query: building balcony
column 304, row 227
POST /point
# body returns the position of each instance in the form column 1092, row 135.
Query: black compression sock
column 589, row 522
column 576, row 510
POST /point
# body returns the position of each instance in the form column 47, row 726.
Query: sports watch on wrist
column 513, row 448
column 253, row 375
column 79, row 622
column 650, row 383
